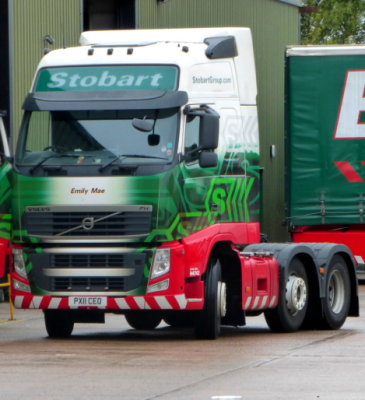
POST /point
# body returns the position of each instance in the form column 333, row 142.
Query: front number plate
column 87, row 301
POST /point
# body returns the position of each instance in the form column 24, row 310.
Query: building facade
column 29, row 28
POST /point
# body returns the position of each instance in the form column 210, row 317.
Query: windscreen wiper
column 40, row 163
column 123, row 156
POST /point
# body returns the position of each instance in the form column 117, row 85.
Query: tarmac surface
column 113, row 361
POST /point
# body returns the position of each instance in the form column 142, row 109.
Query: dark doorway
column 109, row 14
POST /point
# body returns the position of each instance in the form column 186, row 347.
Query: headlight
column 161, row 263
column 19, row 264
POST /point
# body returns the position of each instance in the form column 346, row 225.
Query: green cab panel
column 158, row 208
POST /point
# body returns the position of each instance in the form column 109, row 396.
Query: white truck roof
column 185, row 48
column 139, row 36
column 244, row 62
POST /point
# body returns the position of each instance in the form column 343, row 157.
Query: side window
column 192, row 139
column 3, row 136
column 39, row 129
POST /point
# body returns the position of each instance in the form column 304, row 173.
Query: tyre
column 180, row 319
column 143, row 319
column 336, row 303
column 291, row 310
column 208, row 320
column 59, row 323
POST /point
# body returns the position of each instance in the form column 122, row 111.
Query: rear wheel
column 59, row 323
column 336, row 303
column 208, row 321
column 290, row 312
column 143, row 319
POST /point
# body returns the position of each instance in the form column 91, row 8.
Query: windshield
column 103, row 139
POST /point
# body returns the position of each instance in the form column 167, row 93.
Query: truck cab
column 136, row 189
column 134, row 156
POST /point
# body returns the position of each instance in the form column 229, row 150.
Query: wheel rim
column 336, row 292
column 222, row 299
column 296, row 294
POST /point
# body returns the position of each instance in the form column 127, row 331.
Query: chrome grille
column 88, row 272
column 88, row 223
column 93, row 260
column 88, row 284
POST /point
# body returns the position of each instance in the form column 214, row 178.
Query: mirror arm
column 181, row 157
column 203, row 109
column 9, row 159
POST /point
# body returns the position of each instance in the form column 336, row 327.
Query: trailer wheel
column 58, row 323
column 336, row 303
column 290, row 312
column 143, row 319
column 208, row 320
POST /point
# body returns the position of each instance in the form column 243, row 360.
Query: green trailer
column 326, row 145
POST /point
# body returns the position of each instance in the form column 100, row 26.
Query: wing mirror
column 208, row 134
column 142, row 125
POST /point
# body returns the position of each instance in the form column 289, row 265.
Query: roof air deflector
column 104, row 100
column 221, row 47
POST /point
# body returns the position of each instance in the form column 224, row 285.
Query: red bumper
column 168, row 302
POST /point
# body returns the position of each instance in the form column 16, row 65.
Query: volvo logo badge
column 88, row 223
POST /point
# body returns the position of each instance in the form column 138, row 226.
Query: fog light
column 157, row 287
column 23, row 287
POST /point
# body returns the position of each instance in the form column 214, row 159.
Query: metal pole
column 11, row 304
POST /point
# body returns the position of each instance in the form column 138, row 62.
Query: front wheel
column 208, row 321
column 336, row 303
column 290, row 312
column 59, row 323
column 180, row 319
column 143, row 319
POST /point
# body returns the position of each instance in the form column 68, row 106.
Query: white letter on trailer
column 351, row 120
